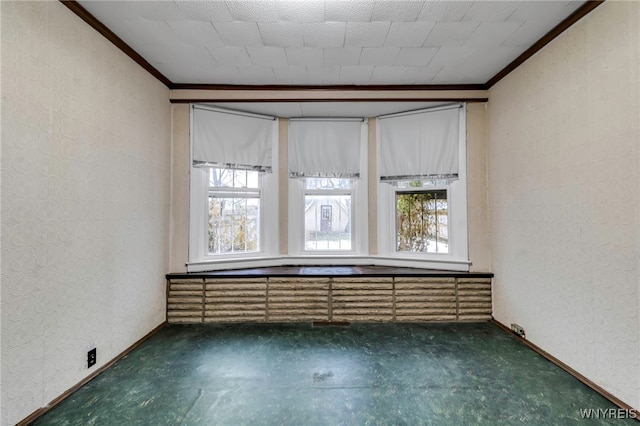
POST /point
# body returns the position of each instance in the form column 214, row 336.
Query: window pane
column 421, row 183
column 422, row 222
column 327, row 183
column 228, row 178
column 327, row 222
column 234, row 225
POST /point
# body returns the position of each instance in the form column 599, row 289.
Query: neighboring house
column 330, row 217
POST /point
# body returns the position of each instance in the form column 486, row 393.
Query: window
column 327, row 214
column 233, row 211
column 422, row 194
column 327, row 187
column 422, row 220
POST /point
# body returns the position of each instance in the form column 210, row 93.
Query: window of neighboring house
column 233, row 211
column 327, row 214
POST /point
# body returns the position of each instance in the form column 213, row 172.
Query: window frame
column 458, row 256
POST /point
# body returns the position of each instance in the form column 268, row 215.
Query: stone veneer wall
column 353, row 299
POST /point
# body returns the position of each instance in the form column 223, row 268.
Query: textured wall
column 564, row 183
column 477, row 196
column 85, row 202
column 180, row 166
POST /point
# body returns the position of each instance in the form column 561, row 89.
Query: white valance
column 324, row 148
column 420, row 145
column 231, row 139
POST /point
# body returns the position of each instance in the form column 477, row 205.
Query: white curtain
column 420, row 145
column 324, row 148
column 232, row 139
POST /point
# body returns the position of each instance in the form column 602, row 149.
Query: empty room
column 320, row 212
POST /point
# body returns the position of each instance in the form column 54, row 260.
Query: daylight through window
column 422, row 221
column 327, row 214
column 233, row 211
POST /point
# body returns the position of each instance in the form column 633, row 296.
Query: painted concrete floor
column 365, row 374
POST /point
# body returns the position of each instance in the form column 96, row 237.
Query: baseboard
column 616, row 401
column 41, row 411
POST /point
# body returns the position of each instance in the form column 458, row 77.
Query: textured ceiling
column 330, row 42
column 326, row 109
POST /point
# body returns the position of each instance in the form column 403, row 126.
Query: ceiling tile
column 348, row 10
column 490, row 11
column 366, row 34
column 542, row 11
column 301, row 11
column 324, row 75
column 403, row 75
column 456, row 75
column 355, row 74
column 452, row 56
column 180, row 74
column 415, row 56
column 326, row 34
column 267, row 56
column 329, row 109
column 281, row 34
column 444, row 10
column 238, row 33
column 290, row 75
column 337, row 41
column 400, row 10
column 305, row 56
column 231, row 56
column 492, row 33
column 379, row 55
column 339, row 56
column 529, row 33
column 196, row 33
column 144, row 31
column 253, row 11
column 257, row 74
column 213, row 11
column 158, row 11
column 276, row 109
column 420, row 75
column 224, row 74
column 487, row 61
column 450, row 33
column 384, row 74
column 179, row 53
column 408, row 34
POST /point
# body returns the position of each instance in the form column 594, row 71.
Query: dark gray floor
column 295, row 374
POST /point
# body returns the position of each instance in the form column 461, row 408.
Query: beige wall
column 85, row 202
column 564, row 180
column 477, row 195
column 180, row 160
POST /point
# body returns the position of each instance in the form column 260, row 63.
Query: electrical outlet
column 518, row 330
column 91, row 358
